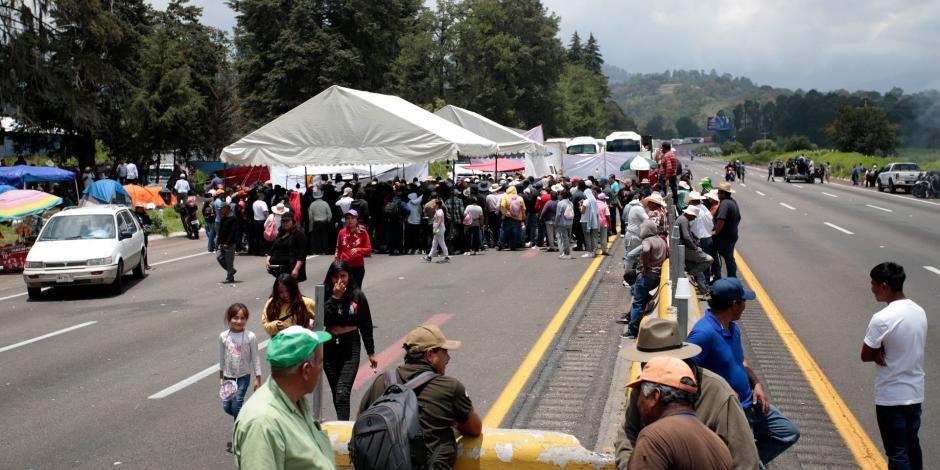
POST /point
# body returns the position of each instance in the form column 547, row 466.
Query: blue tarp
column 107, row 192
column 17, row 175
column 5, row 187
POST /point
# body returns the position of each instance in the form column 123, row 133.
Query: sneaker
column 446, row 259
column 587, row 255
column 467, row 253
column 565, row 256
column 474, row 253
column 626, row 284
column 621, row 235
column 628, row 336
column 624, row 319
column 427, row 258
column 228, row 447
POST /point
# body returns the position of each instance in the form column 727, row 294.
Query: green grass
column 842, row 161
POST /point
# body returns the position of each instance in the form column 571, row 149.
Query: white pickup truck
column 898, row 175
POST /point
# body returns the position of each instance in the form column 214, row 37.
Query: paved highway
column 78, row 366
column 812, row 246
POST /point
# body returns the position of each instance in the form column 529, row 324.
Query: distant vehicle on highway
column 898, row 175
column 86, row 245
column 800, row 169
column 927, row 185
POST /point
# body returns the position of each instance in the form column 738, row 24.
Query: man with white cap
column 673, row 438
column 716, row 405
column 696, row 260
column 443, row 402
column 275, row 428
column 345, row 202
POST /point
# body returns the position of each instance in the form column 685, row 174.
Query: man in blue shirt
column 719, row 336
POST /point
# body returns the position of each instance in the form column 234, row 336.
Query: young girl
column 238, row 359
column 439, row 230
column 286, row 306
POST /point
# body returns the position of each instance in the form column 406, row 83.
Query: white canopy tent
column 509, row 141
column 342, row 126
column 289, row 177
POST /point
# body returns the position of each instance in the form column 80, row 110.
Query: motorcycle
column 926, row 187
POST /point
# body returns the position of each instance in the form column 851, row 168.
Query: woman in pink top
column 603, row 216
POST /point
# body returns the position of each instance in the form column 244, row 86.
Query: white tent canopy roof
column 624, row 135
column 508, row 140
column 342, row 126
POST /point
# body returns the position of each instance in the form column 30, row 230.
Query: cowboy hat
column 713, row 195
column 725, row 186
column 658, row 337
column 694, row 196
column 645, row 181
column 684, row 185
column 494, row 187
column 691, row 210
column 656, row 198
column 280, row 209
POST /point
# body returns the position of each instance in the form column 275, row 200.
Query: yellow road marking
column 496, row 414
column 861, row 446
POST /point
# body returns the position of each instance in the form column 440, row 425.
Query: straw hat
column 713, row 195
column 694, row 196
column 659, row 337
column 725, row 186
column 656, row 198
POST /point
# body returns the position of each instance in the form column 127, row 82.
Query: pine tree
column 575, row 51
column 592, row 58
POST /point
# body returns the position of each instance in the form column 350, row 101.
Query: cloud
column 791, row 43
column 832, row 44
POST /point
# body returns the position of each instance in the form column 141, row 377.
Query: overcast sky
column 831, row 44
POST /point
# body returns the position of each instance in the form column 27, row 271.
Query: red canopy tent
column 503, row 165
column 244, row 175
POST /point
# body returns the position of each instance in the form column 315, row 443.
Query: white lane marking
column 840, row 229
column 932, row 269
column 830, row 195
column 797, row 186
column 213, row 369
column 180, row 258
column 13, row 296
column 760, row 193
column 788, row 206
column 879, row 208
column 47, row 335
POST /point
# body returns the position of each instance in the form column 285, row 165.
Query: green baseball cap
column 294, row 344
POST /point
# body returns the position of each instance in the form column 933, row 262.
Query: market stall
column 22, row 206
column 19, row 175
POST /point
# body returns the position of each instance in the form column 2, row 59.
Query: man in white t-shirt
column 259, row 213
column 131, row 173
column 345, row 202
column 895, row 342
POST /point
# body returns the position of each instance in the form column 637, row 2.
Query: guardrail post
column 680, row 264
column 319, row 296
column 683, row 294
column 673, row 244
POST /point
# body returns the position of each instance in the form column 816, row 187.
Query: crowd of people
column 695, row 404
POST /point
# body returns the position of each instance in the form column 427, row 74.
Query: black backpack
column 392, row 212
column 387, row 436
column 208, row 211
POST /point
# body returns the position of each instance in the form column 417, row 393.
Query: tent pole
column 370, row 173
column 77, row 195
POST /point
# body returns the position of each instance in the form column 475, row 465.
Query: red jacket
column 357, row 240
column 669, row 164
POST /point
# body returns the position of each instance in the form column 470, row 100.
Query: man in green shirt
column 275, row 430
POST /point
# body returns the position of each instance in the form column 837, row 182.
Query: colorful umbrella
column 19, row 203
column 147, row 195
column 638, row 163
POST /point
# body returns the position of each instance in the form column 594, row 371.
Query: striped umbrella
column 5, row 187
column 18, row 203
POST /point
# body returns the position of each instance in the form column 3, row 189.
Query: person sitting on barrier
column 443, row 402
column 719, row 336
column 716, row 405
column 653, row 253
column 673, row 437
column 275, row 428
column 696, row 260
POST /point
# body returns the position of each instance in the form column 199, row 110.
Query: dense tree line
column 145, row 83
column 139, row 81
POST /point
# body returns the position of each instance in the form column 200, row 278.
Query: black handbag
column 277, row 269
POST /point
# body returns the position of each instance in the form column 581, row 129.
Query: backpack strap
column 421, row 379
column 391, row 377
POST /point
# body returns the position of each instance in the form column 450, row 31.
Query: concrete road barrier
column 496, row 449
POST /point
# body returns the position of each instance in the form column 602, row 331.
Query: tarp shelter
column 19, row 175
column 504, row 165
column 244, row 175
column 106, row 192
column 147, row 195
column 342, row 126
column 5, row 187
